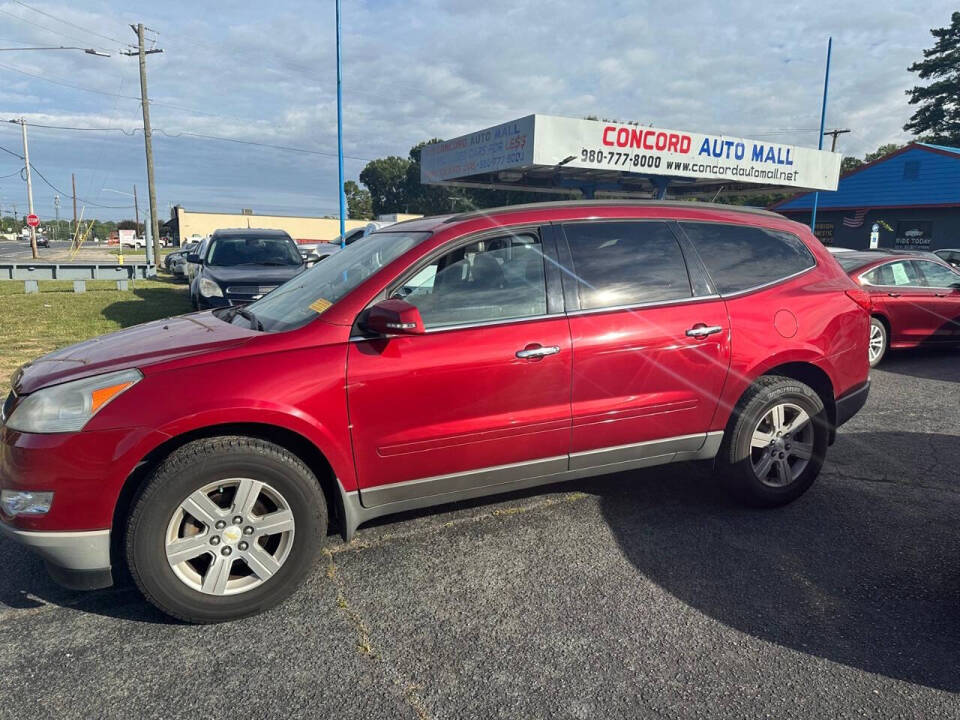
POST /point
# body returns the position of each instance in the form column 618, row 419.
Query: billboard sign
column 545, row 141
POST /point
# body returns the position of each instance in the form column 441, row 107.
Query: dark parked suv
column 240, row 266
column 439, row 359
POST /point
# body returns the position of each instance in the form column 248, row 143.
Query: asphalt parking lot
column 646, row 594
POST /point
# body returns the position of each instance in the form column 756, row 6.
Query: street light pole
column 26, row 165
column 343, row 210
column 147, row 134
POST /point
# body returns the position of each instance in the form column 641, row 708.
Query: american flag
column 856, row 220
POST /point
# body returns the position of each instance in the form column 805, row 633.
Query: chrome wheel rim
column 230, row 536
column 782, row 444
column 876, row 343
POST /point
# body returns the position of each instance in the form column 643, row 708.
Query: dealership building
column 186, row 224
column 912, row 196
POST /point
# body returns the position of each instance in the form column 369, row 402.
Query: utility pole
column 73, row 182
column 26, row 165
column 147, row 135
column 136, row 212
column 834, row 133
column 56, row 207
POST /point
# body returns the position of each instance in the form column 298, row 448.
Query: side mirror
column 194, row 258
column 311, row 258
column 393, row 317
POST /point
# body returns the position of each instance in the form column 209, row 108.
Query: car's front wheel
column 775, row 443
column 225, row 528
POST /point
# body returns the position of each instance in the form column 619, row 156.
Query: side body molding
column 361, row 506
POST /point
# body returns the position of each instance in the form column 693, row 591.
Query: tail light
column 861, row 298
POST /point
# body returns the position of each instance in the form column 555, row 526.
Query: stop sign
column 33, row 221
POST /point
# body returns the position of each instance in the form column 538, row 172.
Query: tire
column 225, row 570
column 746, row 448
column 879, row 341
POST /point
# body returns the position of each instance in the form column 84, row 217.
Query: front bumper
column 77, row 560
column 851, row 403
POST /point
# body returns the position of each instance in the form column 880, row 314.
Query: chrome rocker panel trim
column 361, row 506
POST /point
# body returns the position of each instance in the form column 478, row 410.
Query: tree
column 359, row 202
column 881, row 152
column 386, row 179
column 849, row 164
column 937, row 118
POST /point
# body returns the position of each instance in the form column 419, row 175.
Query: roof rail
column 611, row 203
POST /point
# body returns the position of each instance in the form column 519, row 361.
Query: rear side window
column 900, row 273
column 626, row 263
column 740, row 258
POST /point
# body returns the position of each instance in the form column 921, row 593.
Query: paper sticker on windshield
column 319, row 305
column 900, row 274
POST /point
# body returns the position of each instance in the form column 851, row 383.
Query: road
column 20, row 251
column 643, row 595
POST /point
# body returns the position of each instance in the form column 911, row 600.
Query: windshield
column 306, row 296
column 252, row 250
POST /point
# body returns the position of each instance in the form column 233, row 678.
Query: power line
column 44, row 27
column 66, row 84
column 173, row 134
column 86, row 202
column 11, row 152
column 73, row 25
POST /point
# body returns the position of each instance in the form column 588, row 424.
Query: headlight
column 208, row 288
column 69, row 406
column 24, row 502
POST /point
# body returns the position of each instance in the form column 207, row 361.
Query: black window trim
column 550, row 278
column 762, row 286
column 571, row 286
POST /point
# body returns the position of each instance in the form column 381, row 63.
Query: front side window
column 938, row 276
column 741, row 257
column 500, row 278
column 617, row 264
column 901, row 273
column 252, row 250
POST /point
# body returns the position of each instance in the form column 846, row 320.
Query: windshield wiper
column 254, row 322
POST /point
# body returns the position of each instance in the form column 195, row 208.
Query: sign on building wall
column 824, row 232
column 545, row 141
column 914, row 235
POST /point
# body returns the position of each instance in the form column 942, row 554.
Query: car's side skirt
column 370, row 503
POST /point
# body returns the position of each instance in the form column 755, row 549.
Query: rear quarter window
column 741, row 258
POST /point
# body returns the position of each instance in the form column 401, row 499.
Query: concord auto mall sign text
column 544, row 141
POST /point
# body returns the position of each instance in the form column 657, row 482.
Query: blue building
column 913, row 195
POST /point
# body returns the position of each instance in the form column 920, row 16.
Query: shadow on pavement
column 931, row 363
column 860, row 572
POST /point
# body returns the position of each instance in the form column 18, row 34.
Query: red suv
column 435, row 360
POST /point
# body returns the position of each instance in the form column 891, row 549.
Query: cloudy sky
column 416, row 69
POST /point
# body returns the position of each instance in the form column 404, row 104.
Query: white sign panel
column 548, row 141
column 509, row 145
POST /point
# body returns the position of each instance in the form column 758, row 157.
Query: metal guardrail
column 32, row 273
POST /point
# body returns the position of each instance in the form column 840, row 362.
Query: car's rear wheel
column 878, row 341
column 225, row 528
column 775, row 443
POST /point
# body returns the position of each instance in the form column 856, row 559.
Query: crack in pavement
column 365, row 645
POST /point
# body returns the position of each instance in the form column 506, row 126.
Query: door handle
column 700, row 330
column 894, row 294
column 940, row 294
column 529, row 353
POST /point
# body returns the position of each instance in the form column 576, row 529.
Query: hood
column 252, row 274
column 134, row 347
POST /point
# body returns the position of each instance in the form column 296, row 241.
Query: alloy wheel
column 876, row 343
column 782, row 444
column 230, row 536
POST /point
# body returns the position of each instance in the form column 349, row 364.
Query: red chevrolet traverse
column 435, row 360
